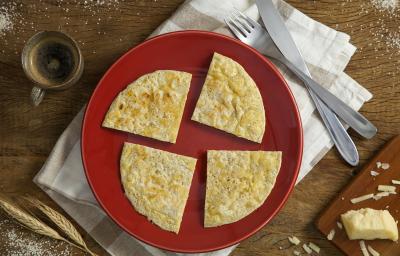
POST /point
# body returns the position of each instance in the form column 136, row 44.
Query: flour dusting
column 385, row 5
column 19, row 242
column 7, row 15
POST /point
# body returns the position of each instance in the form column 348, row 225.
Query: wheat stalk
column 62, row 222
column 28, row 220
column 36, row 225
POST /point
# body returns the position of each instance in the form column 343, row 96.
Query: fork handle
column 337, row 132
column 344, row 144
column 354, row 119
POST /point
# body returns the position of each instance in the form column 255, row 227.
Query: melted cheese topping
column 151, row 106
column 157, row 183
column 230, row 100
column 238, row 182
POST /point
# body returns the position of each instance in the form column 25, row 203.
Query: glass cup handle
column 37, row 95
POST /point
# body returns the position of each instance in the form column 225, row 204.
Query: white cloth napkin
column 326, row 52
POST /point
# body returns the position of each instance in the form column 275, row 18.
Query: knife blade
column 277, row 30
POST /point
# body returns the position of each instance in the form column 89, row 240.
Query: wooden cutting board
column 364, row 184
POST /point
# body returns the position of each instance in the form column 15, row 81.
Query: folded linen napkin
column 326, row 52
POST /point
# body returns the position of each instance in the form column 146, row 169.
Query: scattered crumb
column 280, row 248
column 342, row 198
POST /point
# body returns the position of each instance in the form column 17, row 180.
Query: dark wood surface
column 28, row 134
column 361, row 185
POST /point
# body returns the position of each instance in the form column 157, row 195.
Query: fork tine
column 233, row 29
column 234, row 20
column 236, row 27
column 242, row 21
column 252, row 22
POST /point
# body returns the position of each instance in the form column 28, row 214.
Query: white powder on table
column 393, row 40
column 6, row 23
column 385, row 5
column 17, row 241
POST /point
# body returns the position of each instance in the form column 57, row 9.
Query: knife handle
column 354, row 119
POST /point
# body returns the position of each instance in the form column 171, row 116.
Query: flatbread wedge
column 157, row 183
column 238, row 182
column 151, row 106
column 230, row 100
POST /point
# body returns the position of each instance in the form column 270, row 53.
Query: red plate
column 190, row 51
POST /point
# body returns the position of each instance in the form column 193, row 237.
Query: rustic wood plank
column 28, row 134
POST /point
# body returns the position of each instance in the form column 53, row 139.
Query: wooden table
column 28, row 134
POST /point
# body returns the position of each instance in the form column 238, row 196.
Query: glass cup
column 52, row 61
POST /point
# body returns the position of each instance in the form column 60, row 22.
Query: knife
column 277, row 30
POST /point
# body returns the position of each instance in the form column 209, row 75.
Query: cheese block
column 238, row 182
column 151, row 106
column 370, row 224
column 157, row 183
column 230, row 100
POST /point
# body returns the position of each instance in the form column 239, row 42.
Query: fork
column 252, row 33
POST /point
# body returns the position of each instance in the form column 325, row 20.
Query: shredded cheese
column 396, row 182
column 361, row 198
column 331, row 235
column 378, row 164
column 377, row 197
column 294, row 240
column 363, row 248
column 340, row 225
column 386, row 188
column 307, row 249
column 385, row 166
column 372, row 251
column 381, row 194
column 297, row 253
column 314, row 247
column 374, row 173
